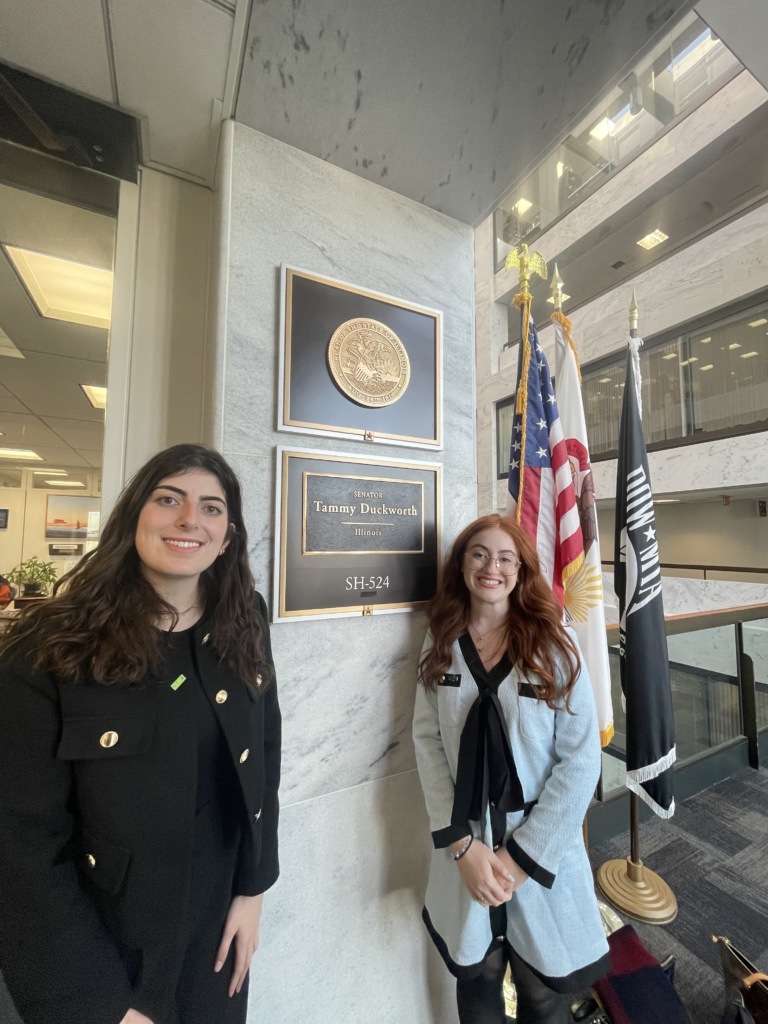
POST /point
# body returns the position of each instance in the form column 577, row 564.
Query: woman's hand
column 515, row 873
column 242, row 925
column 484, row 875
column 134, row 1017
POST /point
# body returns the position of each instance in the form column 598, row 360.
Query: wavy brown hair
column 100, row 623
column 536, row 635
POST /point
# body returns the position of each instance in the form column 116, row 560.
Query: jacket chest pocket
column 105, row 737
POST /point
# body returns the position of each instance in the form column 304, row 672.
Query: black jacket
column 97, row 805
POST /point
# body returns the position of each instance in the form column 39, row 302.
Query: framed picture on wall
column 358, row 364
column 356, row 536
column 3, row 518
column 505, row 413
column 70, row 517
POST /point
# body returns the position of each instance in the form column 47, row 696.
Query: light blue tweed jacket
column 557, row 929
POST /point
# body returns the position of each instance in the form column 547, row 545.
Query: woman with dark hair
column 508, row 752
column 139, row 765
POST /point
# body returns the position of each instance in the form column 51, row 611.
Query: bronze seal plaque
column 369, row 362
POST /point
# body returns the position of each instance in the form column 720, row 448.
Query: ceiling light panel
column 64, row 290
column 655, row 238
column 96, row 395
column 7, row 348
column 758, row 323
column 19, row 453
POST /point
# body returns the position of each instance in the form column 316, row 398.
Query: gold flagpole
column 628, row 884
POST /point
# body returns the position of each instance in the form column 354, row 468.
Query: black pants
column 481, row 1000
column 190, row 992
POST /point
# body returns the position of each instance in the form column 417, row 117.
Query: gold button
column 244, row 755
column 257, row 815
column 91, row 860
column 108, row 739
column 206, row 638
column 259, row 680
column 221, row 696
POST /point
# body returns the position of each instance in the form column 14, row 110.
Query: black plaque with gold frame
column 356, row 536
column 357, row 364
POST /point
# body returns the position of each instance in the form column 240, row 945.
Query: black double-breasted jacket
column 97, row 807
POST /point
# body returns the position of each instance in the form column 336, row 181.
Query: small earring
column 222, row 552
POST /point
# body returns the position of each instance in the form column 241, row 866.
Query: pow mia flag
column 643, row 658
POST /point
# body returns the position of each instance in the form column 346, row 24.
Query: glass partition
column 684, row 69
column 755, row 640
column 705, row 696
column 712, row 380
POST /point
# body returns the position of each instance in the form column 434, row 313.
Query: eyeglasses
column 478, row 558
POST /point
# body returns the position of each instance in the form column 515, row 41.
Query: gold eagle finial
column 528, row 263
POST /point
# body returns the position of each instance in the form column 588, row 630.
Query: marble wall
column 342, row 938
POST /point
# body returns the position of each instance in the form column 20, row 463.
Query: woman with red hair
column 508, row 752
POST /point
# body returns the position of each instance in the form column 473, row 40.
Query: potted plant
column 33, row 576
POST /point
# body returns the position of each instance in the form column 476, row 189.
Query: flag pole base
column 636, row 891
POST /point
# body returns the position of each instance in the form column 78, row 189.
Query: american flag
column 541, row 492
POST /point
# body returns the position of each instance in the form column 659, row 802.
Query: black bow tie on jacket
column 486, row 774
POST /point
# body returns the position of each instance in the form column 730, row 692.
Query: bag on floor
column 637, row 989
column 746, row 988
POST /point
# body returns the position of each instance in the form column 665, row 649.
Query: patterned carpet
column 714, row 855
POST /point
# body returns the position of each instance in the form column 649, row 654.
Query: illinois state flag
column 583, row 589
column 541, row 495
column 643, row 654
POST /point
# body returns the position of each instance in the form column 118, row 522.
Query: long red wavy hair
column 536, row 636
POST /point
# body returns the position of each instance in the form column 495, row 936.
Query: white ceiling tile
column 61, row 40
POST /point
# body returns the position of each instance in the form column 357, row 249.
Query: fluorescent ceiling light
column 709, row 366
column 666, row 501
column 96, row 395
column 64, row 483
column 65, row 290
column 749, row 355
column 704, row 341
column 655, row 238
column 691, row 359
column 50, row 472
column 7, row 348
column 19, row 453
column 733, row 345
column 560, row 168
column 522, row 206
column 758, row 323
column 671, row 355
column 604, row 380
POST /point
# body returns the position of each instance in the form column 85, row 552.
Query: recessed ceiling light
column 64, row 290
column 670, row 355
column 733, row 345
column 7, row 348
column 690, row 359
column 19, row 453
column 560, row 168
column 96, row 395
column 64, row 483
column 758, row 323
column 604, row 380
column 522, row 206
column 749, row 355
column 666, row 501
column 655, row 238
column 704, row 341
column 709, row 366
column 50, row 472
